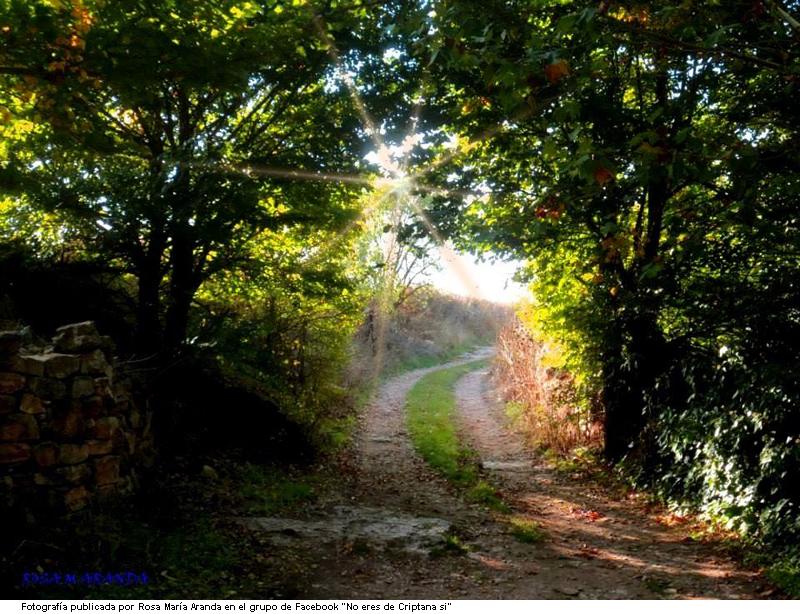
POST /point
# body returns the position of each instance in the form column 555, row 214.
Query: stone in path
column 377, row 527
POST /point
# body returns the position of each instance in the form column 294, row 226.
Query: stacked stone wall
column 70, row 428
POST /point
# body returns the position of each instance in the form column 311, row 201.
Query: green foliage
column 155, row 138
column 162, row 142
column 286, row 322
column 786, row 575
column 631, row 164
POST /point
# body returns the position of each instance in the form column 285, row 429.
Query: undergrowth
column 178, row 531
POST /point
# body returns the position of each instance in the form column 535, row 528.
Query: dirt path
column 382, row 535
column 612, row 546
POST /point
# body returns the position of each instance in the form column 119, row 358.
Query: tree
column 150, row 128
column 624, row 138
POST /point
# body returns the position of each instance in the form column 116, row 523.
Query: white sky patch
column 487, row 280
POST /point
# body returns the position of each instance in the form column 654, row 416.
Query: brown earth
column 371, row 540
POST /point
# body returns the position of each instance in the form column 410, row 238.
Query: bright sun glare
column 459, row 274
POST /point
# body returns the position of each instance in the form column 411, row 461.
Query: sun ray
column 323, row 249
column 470, row 144
column 411, row 133
column 449, row 257
column 289, row 173
column 333, row 51
column 400, row 184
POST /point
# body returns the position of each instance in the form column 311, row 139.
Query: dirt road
column 396, row 530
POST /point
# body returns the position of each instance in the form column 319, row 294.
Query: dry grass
column 541, row 398
column 427, row 329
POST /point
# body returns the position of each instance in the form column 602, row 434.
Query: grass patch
column 424, row 361
column 526, row 530
column 337, row 433
column 484, row 493
column 267, row 491
column 431, row 408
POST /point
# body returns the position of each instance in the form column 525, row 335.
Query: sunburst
column 397, row 189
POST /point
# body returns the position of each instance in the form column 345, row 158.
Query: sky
column 459, row 273
column 462, row 274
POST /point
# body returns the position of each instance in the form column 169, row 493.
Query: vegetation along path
column 401, row 527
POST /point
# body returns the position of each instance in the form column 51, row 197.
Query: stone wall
column 70, row 430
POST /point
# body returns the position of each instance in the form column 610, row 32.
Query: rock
column 104, row 428
column 374, row 525
column 31, row 404
column 55, row 365
column 119, row 442
column 27, row 365
column 80, row 338
column 95, row 363
column 93, row 406
column 103, row 386
column 130, row 440
column 507, row 465
column 19, row 427
column 209, row 473
column 571, row 591
column 98, row 447
column 119, row 408
column 47, row 388
column 8, row 403
column 10, row 342
column 74, row 473
column 11, row 383
column 76, row 498
column 72, row 454
column 41, row 479
column 14, row 453
column 46, row 454
column 70, row 424
column 82, row 386
column 106, row 470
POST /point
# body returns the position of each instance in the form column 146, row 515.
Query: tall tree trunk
column 618, row 398
column 182, row 286
column 150, row 275
column 634, row 353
